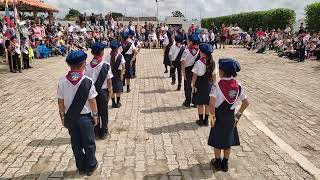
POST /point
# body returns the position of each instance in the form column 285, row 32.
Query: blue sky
column 192, row 8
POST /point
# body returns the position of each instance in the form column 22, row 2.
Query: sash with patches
column 78, row 102
column 102, row 76
column 95, row 61
column 74, row 76
column 230, row 90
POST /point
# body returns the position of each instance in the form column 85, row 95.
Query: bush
column 272, row 19
column 313, row 17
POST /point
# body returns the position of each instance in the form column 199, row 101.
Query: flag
column 7, row 17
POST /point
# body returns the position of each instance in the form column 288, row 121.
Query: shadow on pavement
column 173, row 128
column 158, row 91
column 49, row 142
column 199, row 171
column 163, row 109
column 153, row 77
column 50, row 175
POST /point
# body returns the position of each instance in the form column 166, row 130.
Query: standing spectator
column 93, row 19
column 102, row 24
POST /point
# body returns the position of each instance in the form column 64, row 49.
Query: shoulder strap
column 102, row 76
column 180, row 54
column 198, row 57
column 117, row 63
column 126, row 49
column 78, row 102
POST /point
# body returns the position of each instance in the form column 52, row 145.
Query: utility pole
column 157, row 10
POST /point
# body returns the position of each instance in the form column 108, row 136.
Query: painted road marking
column 298, row 157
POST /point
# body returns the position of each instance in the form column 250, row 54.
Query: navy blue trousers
column 83, row 143
column 190, row 98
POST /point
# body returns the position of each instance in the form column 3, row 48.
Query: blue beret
column 76, row 57
column 98, row 46
column 178, row 38
column 124, row 35
column 229, row 65
column 131, row 33
column 194, row 38
column 115, row 44
column 198, row 31
column 206, row 48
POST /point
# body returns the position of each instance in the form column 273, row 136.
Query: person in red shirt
column 260, row 33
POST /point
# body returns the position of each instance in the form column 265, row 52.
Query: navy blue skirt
column 117, row 85
column 224, row 135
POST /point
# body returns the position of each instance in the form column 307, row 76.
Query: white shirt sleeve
column 60, row 94
column 196, row 68
column 107, row 58
column 184, row 55
column 243, row 94
column 93, row 93
column 214, row 91
column 109, row 75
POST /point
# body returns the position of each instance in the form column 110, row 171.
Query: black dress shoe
column 216, row 163
column 118, row 105
column 90, row 173
column 225, row 165
column 114, row 106
column 166, row 72
column 179, row 88
column 186, row 104
column 81, row 172
column 199, row 122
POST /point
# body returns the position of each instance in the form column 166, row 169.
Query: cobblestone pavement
column 152, row 135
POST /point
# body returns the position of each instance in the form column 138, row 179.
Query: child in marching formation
column 100, row 72
column 175, row 54
column 117, row 63
column 202, row 80
column 224, row 99
column 78, row 111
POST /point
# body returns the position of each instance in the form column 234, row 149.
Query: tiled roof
column 30, row 5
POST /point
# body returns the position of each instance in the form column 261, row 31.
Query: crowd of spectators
column 298, row 46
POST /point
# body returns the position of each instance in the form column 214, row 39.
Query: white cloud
column 208, row 8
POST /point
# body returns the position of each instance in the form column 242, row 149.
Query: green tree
column 313, row 17
column 177, row 14
column 73, row 13
column 116, row 14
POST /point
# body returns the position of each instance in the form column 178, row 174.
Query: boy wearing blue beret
column 101, row 74
column 190, row 56
column 224, row 99
column 78, row 111
column 128, row 50
column 175, row 55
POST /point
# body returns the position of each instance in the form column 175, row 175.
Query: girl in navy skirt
column 201, row 81
column 224, row 98
column 117, row 63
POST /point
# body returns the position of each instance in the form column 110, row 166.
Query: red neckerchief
column 203, row 60
column 178, row 45
column 95, row 61
column 74, row 76
column 230, row 90
column 193, row 50
column 124, row 43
